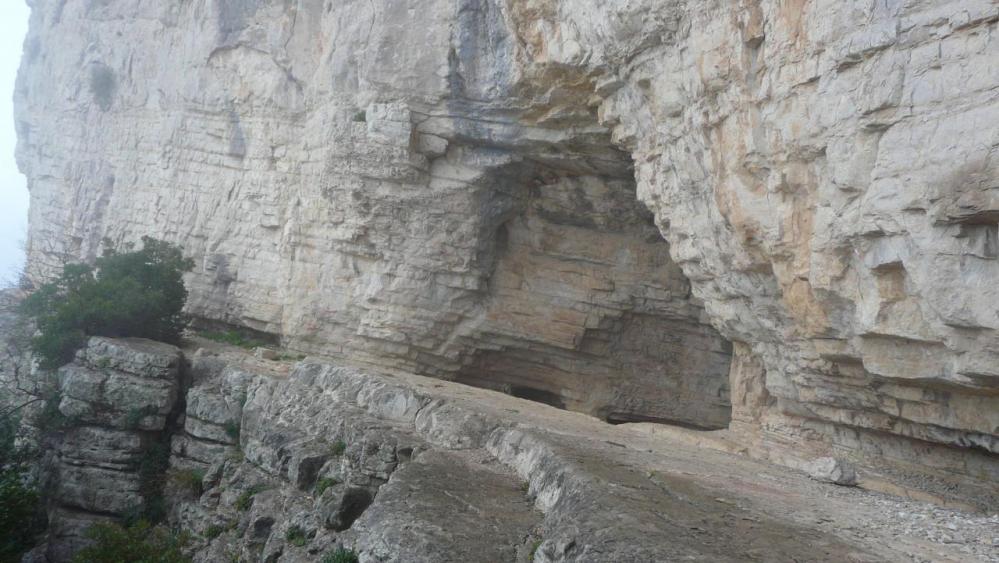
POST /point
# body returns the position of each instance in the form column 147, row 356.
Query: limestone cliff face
column 449, row 187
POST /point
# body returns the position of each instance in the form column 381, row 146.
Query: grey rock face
column 410, row 469
column 126, row 383
column 116, row 397
column 447, row 189
column 483, row 516
column 510, row 255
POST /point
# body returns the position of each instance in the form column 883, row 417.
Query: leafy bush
column 341, row 555
column 8, row 435
column 133, row 418
column 213, row 531
column 245, row 500
column 139, row 293
column 232, row 337
column 236, row 455
column 534, row 549
column 296, row 536
column 290, row 357
column 151, row 467
column 51, row 418
column 338, row 448
column 139, row 543
column 189, row 480
column 232, row 429
column 21, row 518
column 325, row 483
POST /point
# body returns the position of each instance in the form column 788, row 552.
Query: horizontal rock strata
column 100, row 423
column 408, row 469
column 445, row 187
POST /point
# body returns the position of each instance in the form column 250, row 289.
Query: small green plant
column 139, row 542
column 296, row 536
column 337, row 448
column 214, row 531
column 360, row 116
column 534, row 549
column 290, row 357
column 233, row 338
column 236, row 455
column 20, row 516
column 232, row 429
column 245, row 500
column 341, row 555
column 133, row 418
column 139, row 293
column 21, row 512
column 151, row 466
column 324, row 483
column 189, row 480
column 51, row 418
column 9, row 453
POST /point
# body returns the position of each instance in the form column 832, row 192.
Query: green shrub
column 20, row 518
column 51, row 418
column 341, row 555
column 233, row 338
column 324, row 483
column 189, row 480
column 290, row 357
column 245, row 500
column 360, row 116
column 152, row 465
column 296, row 536
column 8, row 436
column 214, row 531
column 139, row 293
column 133, row 418
column 534, row 549
column 338, row 448
column 232, row 429
column 236, row 455
column 139, row 543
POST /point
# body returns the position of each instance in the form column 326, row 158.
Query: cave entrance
column 586, row 311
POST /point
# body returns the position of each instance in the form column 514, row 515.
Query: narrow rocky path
column 593, row 492
column 449, row 506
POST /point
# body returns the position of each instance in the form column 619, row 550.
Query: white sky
column 13, row 193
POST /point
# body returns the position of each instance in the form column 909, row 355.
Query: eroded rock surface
column 280, row 462
column 100, row 424
column 444, row 187
column 406, row 468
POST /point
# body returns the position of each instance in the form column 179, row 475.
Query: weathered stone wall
column 282, row 461
column 343, row 171
column 404, row 221
column 101, row 426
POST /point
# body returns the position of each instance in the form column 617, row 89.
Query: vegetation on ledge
column 139, row 542
column 124, row 294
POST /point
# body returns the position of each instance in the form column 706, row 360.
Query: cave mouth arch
column 585, row 309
